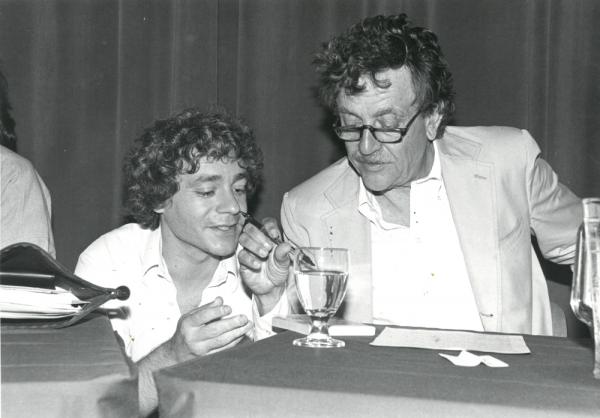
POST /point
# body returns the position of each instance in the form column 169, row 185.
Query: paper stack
column 20, row 302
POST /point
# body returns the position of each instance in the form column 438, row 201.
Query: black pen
column 251, row 220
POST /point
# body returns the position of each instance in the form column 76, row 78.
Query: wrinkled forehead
column 390, row 87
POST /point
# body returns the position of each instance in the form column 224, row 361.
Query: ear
column 432, row 122
column 161, row 209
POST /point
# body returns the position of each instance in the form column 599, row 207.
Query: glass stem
column 319, row 328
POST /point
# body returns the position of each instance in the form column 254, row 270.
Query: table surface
column 78, row 371
column 274, row 378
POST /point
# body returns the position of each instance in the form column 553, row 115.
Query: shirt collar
column 368, row 205
column 227, row 269
column 152, row 256
column 436, row 168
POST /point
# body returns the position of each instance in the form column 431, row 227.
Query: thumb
column 281, row 255
column 278, row 264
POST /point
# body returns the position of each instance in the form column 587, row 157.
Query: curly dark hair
column 379, row 43
column 8, row 137
column 174, row 146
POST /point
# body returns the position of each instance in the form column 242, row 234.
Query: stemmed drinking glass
column 321, row 286
column 585, row 290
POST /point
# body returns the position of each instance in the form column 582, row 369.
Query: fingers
column 207, row 328
column 264, row 259
column 234, row 336
column 222, row 334
column 249, row 260
column 261, row 240
column 207, row 313
column 271, row 228
column 277, row 269
column 258, row 243
column 255, row 241
column 282, row 254
column 200, row 340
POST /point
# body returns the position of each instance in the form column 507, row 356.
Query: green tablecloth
column 272, row 378
column 79, row 371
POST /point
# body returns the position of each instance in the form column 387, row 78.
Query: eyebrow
column 385, row 111
column 241, row 176
column 381, row 112
column 206, row 179
column 217, row 177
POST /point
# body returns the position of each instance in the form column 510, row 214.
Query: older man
column 438, row 219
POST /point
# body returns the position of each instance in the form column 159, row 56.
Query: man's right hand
column 204, row 330
column 264, row 265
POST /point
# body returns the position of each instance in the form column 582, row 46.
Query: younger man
column 188, row 178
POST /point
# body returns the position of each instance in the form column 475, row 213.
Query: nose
column 367, row 144
column 230, row 203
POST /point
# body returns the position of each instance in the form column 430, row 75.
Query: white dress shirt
column 132, row 256
column 419, row 273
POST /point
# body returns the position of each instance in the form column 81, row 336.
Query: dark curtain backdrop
column 86, row 76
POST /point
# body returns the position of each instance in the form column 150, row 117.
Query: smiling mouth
column 226, row 228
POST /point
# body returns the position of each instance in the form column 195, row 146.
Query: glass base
column 319, row 342
column 596, row 331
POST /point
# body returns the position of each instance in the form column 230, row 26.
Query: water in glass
column 321, row 286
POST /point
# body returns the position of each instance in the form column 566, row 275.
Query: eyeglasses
column 384, row 135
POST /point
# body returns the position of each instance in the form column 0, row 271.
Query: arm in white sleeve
column 262, row 324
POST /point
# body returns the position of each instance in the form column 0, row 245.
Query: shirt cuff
column 262, row 324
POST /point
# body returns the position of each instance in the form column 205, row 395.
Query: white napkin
column 467, row 359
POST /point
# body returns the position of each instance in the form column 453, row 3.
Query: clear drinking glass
column 591, row 226
column 585, row 290
column 321, row 275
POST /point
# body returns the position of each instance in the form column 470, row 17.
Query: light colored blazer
column 500, row 192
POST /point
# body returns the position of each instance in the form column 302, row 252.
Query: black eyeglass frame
column 339, row 130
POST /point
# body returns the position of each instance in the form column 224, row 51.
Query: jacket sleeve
column 556, row 212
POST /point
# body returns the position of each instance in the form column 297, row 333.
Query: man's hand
column 264, row 265
column 204, row 330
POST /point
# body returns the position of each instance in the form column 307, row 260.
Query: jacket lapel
column 469, row 184
column 347, row 228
